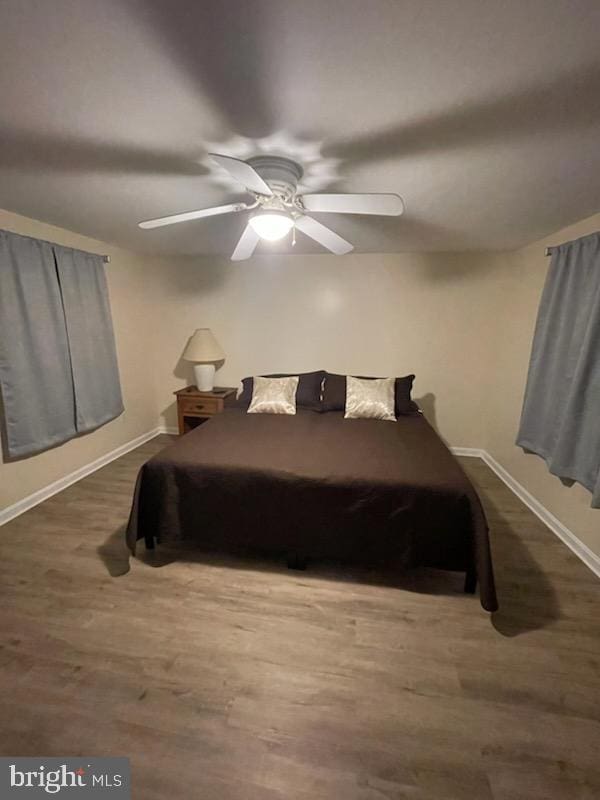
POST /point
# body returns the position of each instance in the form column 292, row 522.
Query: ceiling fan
column 277, row 209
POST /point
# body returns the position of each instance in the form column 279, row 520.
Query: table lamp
column 204, row 349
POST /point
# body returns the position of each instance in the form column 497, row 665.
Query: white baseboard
column 470, row 452
column 589, row 558
column 581, row 550
column 6, row 514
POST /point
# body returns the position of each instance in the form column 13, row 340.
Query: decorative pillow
column 334, row 393
column 307, row 396
column 274, row 396
column 370, row 399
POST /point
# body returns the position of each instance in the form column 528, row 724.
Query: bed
column 317, row 486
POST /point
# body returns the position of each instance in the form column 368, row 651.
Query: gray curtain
column 561, row 410
column 92, row 350
column 58, row 367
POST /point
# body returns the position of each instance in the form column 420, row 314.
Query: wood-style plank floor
column 225, row 679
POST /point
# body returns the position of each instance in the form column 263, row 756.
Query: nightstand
column 194, row 407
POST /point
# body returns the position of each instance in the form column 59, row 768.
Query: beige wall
column 373, row 314
column 363, row 314
column 462, row 323
column 126, row 276
column 517, row 296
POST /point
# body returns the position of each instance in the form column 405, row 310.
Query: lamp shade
column 203, row 346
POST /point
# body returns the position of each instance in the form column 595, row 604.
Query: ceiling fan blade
column 243, row 173
column 323, row 235
column 245, row 246
column 188, row 215
column 388, row 205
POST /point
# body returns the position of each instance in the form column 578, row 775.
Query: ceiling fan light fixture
column 271, row 225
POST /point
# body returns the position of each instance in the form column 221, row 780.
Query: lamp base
column 205, row 377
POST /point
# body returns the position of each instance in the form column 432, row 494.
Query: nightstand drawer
column 200, row 405
column 194, row 407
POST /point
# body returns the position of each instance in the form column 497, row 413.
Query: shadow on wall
column 197, row 276
column 184, row 369
column 427, row 405
column 454, row 266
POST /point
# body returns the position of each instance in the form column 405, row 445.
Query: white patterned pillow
column 273, row 395
column 370, row 399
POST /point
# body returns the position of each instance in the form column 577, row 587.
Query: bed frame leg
column 470, row 580
column 296, row 562
column 149, row 542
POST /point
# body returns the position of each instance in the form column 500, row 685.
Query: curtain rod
column 548, row 252
column 590, row 236
column 106, row 259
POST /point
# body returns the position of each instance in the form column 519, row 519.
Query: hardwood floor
column 223, row 679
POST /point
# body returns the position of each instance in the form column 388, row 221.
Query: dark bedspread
column 320, row 486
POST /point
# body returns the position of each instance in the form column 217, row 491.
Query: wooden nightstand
column 194, row 407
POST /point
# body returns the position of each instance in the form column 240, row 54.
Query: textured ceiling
column 483, row 115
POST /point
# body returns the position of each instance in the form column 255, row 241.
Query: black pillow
column 334, row 393
column 308, row 394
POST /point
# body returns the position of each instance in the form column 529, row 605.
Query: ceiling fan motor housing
column 281, row 174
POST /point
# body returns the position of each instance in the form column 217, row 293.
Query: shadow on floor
column 115, row 554
column 115, row 557
column 527, row 599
